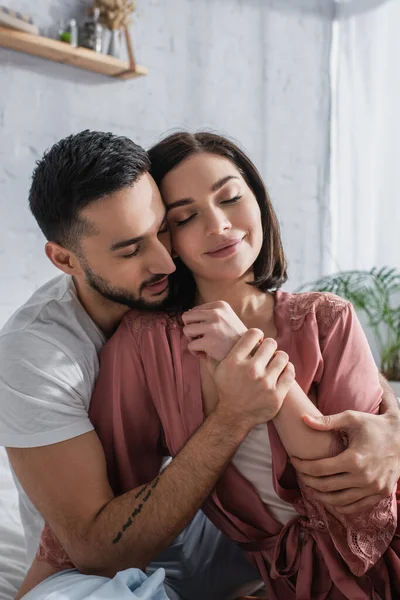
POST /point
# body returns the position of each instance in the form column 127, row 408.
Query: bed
column 12, row 547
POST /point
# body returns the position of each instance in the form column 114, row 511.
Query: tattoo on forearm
column 137, row 510
column 140, row 492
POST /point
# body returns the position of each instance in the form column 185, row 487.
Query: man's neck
column 106, row 314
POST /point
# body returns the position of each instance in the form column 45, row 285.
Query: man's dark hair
column 77, row 171
column 270, row 265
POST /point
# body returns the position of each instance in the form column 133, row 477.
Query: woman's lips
column 227, row 250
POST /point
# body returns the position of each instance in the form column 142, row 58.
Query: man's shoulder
column 51, row 319
column 52, row 292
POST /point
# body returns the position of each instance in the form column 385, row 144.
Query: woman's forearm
column 298, row 439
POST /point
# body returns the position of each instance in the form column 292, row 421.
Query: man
column 103, row 218
column 95, row 202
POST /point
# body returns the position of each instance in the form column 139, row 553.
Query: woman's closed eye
column 183, row 221
column 233, row 200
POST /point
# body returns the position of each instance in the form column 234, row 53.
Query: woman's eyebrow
column 182, row 202
column 221, row 182
column 214, row 188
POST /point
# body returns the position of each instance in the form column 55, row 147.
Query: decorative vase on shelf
column 106, row 39
column 114, row 48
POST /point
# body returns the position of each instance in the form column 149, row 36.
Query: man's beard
column 121, row 295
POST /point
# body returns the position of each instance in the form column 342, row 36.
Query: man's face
column 128, row 259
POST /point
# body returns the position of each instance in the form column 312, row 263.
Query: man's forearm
column 133, row 528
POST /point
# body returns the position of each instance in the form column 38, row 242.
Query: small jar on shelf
column 91, row 31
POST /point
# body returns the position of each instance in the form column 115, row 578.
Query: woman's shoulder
column 323, row 307
column 150, row 322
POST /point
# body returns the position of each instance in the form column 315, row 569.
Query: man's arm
column 102, row 534
column 369, row 468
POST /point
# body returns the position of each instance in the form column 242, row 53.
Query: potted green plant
column 375, row 293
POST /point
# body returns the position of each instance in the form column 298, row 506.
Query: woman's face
column 214, row 217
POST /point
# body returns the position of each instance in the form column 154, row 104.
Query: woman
column 226, row 237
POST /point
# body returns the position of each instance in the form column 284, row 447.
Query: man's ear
column 62, row 258
column 174, row 254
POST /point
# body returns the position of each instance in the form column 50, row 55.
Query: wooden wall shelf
column 66, row 54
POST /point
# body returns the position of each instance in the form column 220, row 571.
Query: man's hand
column 253, row 379
column 368, row 469
column 213, row 329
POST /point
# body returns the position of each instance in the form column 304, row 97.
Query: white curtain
column 365, row 158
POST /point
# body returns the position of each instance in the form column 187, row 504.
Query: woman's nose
column 217, row 223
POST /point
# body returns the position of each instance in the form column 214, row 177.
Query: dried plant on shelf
column 117, row 15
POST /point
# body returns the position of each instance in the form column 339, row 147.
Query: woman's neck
column 250, row 304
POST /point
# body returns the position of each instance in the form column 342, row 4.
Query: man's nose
column 161, row 260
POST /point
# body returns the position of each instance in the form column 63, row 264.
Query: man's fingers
column 243, row 348
column 324, row 466
column 332, row 483
column 346, row 420
column 356, row 508
column 287, row 378
column 264, row 355
column 342, row 498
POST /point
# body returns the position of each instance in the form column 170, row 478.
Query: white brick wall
column 254, row 69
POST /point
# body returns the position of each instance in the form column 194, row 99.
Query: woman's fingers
column 205, row 312
column 196, row 316
column 195, row 346
column 194, row 330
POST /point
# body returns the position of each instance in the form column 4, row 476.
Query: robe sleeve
column 349, row 380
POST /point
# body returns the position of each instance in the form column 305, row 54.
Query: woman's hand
column 212, row 329
column 368, row 469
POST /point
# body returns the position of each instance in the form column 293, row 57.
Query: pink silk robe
column 149, row 385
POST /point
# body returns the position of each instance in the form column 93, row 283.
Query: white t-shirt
column 48, row 368
column 253, row 459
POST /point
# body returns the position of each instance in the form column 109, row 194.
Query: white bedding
column 12, row 546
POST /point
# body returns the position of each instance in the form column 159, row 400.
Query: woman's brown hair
column 270, row 265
